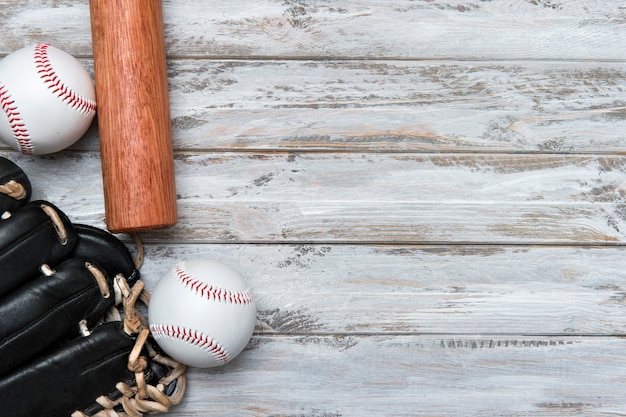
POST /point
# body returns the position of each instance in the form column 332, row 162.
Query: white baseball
column 202, row 313
column 47, row 97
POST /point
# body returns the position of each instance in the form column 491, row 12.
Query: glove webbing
column 142, row 397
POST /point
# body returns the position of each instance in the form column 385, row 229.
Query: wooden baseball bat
column 133, row 114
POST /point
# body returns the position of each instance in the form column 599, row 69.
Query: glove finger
column 69, row 378
column 107, row 250
column 50, row 308
column 15, row 188
column 36, row 234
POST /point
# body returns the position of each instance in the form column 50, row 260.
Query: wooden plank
column 62, row 24
column 351, row 290
column 412, row 375
column 517, row 29
column 571, row 29
column 400, row 106
column 374, row 106
column 403, row 197
column 339, row 197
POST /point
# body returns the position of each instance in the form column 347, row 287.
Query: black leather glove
column 72, row 342
column 35, row 234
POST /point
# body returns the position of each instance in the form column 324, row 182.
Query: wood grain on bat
column 133, row 114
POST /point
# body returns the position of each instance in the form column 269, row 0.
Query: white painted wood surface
column 427, row 197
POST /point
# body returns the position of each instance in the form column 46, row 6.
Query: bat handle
column 133, row 114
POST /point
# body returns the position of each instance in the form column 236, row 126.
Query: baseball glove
column 72, row 339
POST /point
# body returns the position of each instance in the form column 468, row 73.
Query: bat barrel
column 133, row 114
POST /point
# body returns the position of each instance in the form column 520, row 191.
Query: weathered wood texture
column 395, row 106
column 427, row 197
column 425, row 29
column 415, row 376
column 399, row 289
column 369, row 197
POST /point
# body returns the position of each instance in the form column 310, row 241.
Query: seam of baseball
column 210, row 292
column 192, row 337
column 17, row 125
column 51, row 80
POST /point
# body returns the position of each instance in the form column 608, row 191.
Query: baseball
column 202, row 313
column 47, row 97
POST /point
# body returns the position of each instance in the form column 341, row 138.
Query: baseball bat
column 133, row 114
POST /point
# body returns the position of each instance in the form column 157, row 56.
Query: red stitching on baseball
column 210, row 292
column 20, row 133
column 51, row 79
column 193, row 337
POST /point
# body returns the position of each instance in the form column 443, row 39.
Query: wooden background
column 428, row 197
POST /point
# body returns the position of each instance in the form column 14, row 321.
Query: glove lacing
column 142, row 397
column 13, row 189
